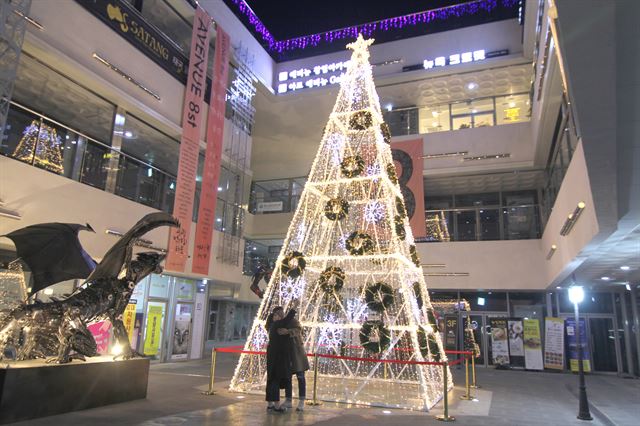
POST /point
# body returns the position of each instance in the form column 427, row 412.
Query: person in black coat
column 279, row 369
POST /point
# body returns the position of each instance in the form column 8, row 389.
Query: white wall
column 507, row 265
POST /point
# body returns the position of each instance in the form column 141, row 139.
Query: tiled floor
column 506, row 398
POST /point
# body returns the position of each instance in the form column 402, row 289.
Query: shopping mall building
column 524, row 114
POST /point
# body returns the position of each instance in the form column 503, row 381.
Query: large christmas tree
column 40, row 145
column 349, row 267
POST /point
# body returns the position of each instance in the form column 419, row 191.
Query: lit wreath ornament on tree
column 332, row 279
column 391, row 172
column 293, row 264
column 336, row 209
column 360, row 120
column 428, row 345
column 374, row 336
column 352, row 166
column 379, row 296
column 359, row 243
column 386, row 133
column 399, row 225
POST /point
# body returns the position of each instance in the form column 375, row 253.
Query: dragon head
column 144, row 264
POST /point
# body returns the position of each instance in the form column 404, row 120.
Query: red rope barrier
column 238, row 349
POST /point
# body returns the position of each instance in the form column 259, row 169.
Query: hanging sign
column 499, row 341
column 573, row 347
column 213, row 155
column 532, row 345
column 407, row 157
column 193, row 111
column 516, row 342
column 129, row 319
column 153, row 329
column 554, row 343
column 451, row 332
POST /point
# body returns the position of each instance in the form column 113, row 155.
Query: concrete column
column 626, row 326
column 116, row 145
column 635, row 319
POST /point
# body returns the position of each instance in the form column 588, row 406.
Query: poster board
column 516, row 342
column 532, row 345
column 499, row 341
column 554, row 343
column 570, row 325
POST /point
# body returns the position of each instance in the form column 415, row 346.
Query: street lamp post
column 576, row 295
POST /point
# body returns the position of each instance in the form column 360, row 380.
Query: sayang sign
column 192, row 114
column 128, row 22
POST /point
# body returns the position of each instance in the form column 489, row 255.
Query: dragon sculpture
column 57, row 330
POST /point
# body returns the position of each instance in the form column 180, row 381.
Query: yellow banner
column 154, row 327
column 129, row 319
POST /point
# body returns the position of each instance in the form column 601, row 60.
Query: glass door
column 602, row 342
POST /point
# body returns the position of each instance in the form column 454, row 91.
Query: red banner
column 211, row 173
column 407, row 156
column 192, row 114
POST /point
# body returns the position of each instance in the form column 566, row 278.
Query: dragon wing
column 53, row 252
column 120, row 253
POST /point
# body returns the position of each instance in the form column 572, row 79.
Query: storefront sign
column 554, row 343
column 516, row 342
column 153, row 329
column 270, row 206
column 316, row 76
column 451, row 332
column 193, row 111
column 127, row 21
column 573, row 347
column 532, row 345
column 129, row 319
column 213, row 155
column 407, row 156
column 101, row 332
column 499, row 341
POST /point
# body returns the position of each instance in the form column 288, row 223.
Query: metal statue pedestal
column 32, row 389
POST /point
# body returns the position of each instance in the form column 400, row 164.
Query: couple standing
column 285, row 356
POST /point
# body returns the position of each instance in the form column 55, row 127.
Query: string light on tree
column 291, row 289
column 360, row 266
column 40, row 144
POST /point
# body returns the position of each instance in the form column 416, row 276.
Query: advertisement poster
column 181, row 332
column 516, row 342
column 154, row 328
column 213, row 155
column 499, row 341
column 573, row 347
column 451, row 332
column 554, row 343
column 532, row 345
column 129, row 319
column 407, row 157
column 192, row 113
column 101, row 331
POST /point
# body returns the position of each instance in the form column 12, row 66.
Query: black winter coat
column 279, row 350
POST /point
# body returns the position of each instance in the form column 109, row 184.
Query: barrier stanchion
column 445, row 417
column 315, row 382
column 212, row 373
column 467, row 396
column 474, row 383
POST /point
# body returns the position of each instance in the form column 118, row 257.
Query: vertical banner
column 516, row 342
column 181, row 332
column 573, row 347
column 499, row 341
column 554, row 343
column 192, row 113
column 532, row 345
column 451, row 332
column 407, row 156
column 129, row 319
column 154, row 327
column 211, row 173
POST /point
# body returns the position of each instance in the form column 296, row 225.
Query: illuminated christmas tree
column 349, row 267
column 41, row 144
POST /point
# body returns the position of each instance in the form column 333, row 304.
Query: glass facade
column 472, row 113
column 276, row 196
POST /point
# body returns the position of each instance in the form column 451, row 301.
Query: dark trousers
column 302, row 387
column 273, row 389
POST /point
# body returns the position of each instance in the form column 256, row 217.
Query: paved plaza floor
column 505, row 398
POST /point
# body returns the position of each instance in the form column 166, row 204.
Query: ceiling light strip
column 126, row 76
column 445, row 155
column 433, row 265
column 446, row 274
column 487, row 157
column 552, row 251
column 30, row 20
column 572, row 219
column 413, row 19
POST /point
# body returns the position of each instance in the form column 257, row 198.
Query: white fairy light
column 334, row 310
column 373, row 211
